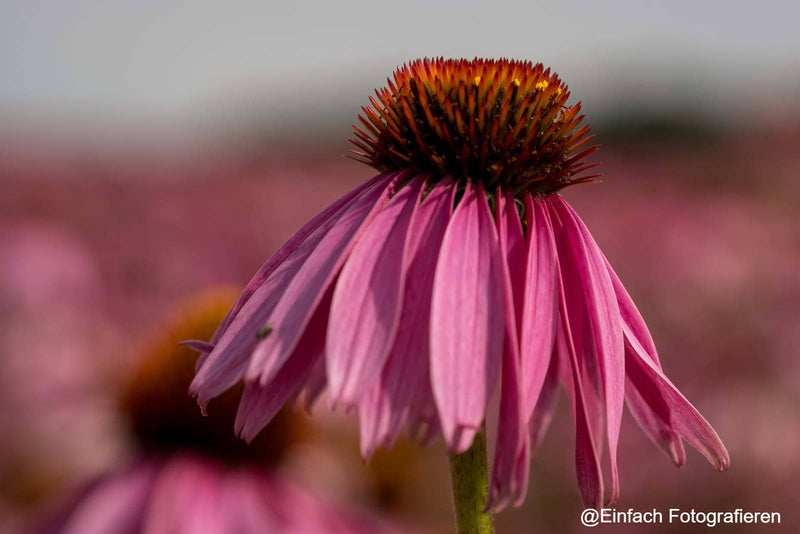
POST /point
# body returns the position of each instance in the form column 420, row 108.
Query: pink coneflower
column 193, row 494
column 190, row 474
column 459, row 264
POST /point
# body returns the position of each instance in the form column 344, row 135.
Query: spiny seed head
column 503, row 123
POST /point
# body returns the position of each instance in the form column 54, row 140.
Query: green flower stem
column 470, row 477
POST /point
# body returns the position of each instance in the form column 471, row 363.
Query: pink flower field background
column 96, row 250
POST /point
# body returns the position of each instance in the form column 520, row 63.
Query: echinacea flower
column 190, row 474
column 457, row 267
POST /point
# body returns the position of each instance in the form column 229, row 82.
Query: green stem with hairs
column 470, row 477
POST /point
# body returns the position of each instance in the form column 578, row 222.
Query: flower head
column 501, row 123
column 459, row 264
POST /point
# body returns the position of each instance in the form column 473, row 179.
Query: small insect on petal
column 264, row 331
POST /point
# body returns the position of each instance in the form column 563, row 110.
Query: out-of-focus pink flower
column 407, row 296
column 193, row 494
column 189, row 474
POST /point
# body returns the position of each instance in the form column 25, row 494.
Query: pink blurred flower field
column 707, row 243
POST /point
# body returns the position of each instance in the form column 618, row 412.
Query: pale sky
column 176, row 64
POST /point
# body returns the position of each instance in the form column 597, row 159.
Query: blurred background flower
column 149, row 149
column 188, row 473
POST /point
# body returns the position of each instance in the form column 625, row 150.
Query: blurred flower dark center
column 502, row 123
column 164, row 419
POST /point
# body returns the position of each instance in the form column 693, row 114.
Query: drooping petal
column 539, row 311
column 512, row 453
column 228, row 362
column 546, row 404
column 260, row 403
column 467, row 319
column 631, row 316
column 203, row 347
column 593, row 395
column 514, row 250
column 582, row 340
column 314, row 385
column 670, row 405
column 423, row 418
column 368, row 298
column 301, row 296
column 650, row 418
column 282, row 253
column 405, row 378
column 593, row 307
column 587, row 461
column 373, row 412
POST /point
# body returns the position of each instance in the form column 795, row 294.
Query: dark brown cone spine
column 503, row 123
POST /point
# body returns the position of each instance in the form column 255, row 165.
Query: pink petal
column 314, row 386
column 260, row 403
column 651, row 421
column 430, row 430
column 368, row 298
column 665, row 400
column 467, row 319
column 405, row 377
column 512, row 453
column 423, row 421
column 592, row 383
column 203, row 347
column 113, row 505
column 587, row 462
column 374, row 411
column 592, row 305
column 199, row 511
column 300, row 298
column 539, row 311
column 631, row 316
column 515, row 252
column 654, row 420
column 587, row 459
column 289, row 247
column 248, row 511
column 546, row 405
column 182, row 496
column 228, row 362
column 283, row 253
column 583, row 341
